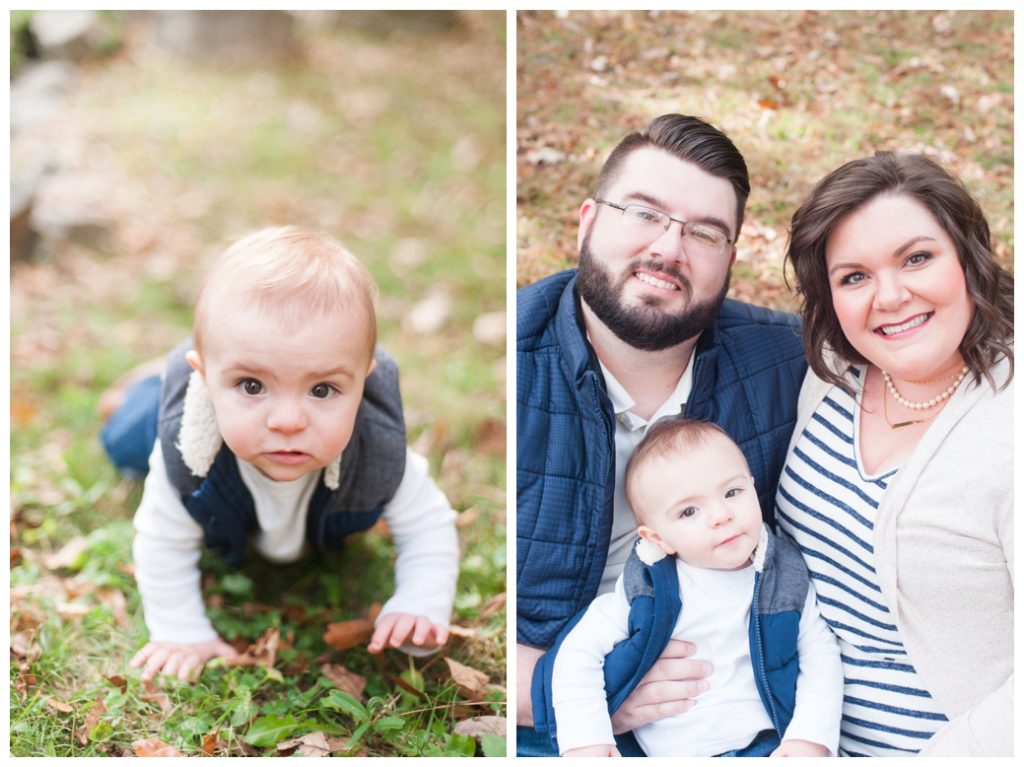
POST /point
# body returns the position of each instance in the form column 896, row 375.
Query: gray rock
column 38, row 92
column 72, row 35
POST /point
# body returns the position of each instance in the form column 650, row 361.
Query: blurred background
column 799, row 92
column 142, row 143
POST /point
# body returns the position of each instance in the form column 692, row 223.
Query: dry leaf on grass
column 211, row 742
column 262, row 652
column 469, row 679
column 67, row 556
column 462, row 632
column 493, row 605
column 154, row 747
column 91, row 720
column 478, row 726
column 344, row 635
column 59, row 705
column 24, row 646
column 314, row 744
column 153, row 694
column 118, row 681
column 345, row 680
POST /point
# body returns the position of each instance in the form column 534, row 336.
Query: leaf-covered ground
column 800, row 92
column 395, row 145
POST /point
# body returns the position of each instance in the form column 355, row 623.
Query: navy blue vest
column 372, row 466
column 747, row 374
column 780, row 590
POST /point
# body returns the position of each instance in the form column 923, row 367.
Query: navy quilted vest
column 372, row 466
column 747, row 374
column 780, row 590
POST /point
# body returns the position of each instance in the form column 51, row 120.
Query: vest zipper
column 762, row 675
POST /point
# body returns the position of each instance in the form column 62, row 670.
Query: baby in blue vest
column 280, row 426
column 714, row 575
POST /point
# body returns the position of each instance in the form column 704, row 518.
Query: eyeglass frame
column 683, row 224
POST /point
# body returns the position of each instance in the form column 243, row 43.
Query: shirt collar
column 623, row 404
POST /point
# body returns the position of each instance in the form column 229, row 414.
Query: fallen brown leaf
column 24, row 646
column 493, row 605
column 344, row 635
column 154, row 747
column 91, row 720
column 153, row 694
column 25, row 679
column 469, row 679
column 67, row 556
column 345, row 680
column 462, row 632
column 59, row 705
column 117, row 602
column 478, row 726
column 210, row 743
column 311, row 744
column 69, row 611
column 262, row 652
column 118, row 681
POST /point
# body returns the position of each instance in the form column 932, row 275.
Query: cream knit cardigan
column 943, row 544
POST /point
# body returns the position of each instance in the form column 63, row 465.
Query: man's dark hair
column 692, row 140
column 850, row 187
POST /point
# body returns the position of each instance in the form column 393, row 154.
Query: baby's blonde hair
column 293, row 273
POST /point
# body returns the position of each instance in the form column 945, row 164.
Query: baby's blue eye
column 733, row 492
column 252, row 387
column 688, row 512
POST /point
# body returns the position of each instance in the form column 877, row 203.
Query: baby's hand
column 395, row 629
column 179, row 658
column 602, row 750
column 799, row 748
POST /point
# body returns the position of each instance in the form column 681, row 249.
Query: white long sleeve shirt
column 715, row 616
column 168, row 543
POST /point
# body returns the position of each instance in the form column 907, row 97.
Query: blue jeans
column 531, row 743
column 763, row 745
column 130, row 433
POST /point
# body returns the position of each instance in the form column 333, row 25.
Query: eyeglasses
column 707, row 240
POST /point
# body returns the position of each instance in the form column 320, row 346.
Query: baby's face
column 701, row 506
column 285, row 402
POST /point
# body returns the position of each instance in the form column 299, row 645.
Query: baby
column 746, row 603
column 281, row 424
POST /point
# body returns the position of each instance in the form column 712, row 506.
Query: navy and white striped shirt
column 827, row 504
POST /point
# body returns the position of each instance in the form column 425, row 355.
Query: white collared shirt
column 629, row 430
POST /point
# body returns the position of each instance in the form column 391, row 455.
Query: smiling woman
column 904, row 429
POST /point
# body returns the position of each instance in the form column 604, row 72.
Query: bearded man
column 642, row 330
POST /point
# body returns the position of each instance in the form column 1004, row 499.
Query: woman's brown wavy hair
column 845, row 190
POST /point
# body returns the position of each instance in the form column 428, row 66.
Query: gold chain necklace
column 901, row 424
column 938, row 398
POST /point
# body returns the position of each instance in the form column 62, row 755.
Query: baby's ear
column 652, row 537
column 373, row 366
column 192, row 358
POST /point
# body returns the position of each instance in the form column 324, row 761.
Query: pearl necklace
column 937, row 399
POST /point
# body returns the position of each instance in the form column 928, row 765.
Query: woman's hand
column 667, row 689
column 180, row 659
column 395, row 629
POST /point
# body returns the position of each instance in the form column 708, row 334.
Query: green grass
column 201, row 155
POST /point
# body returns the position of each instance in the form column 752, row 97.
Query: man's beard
column 646, row 327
